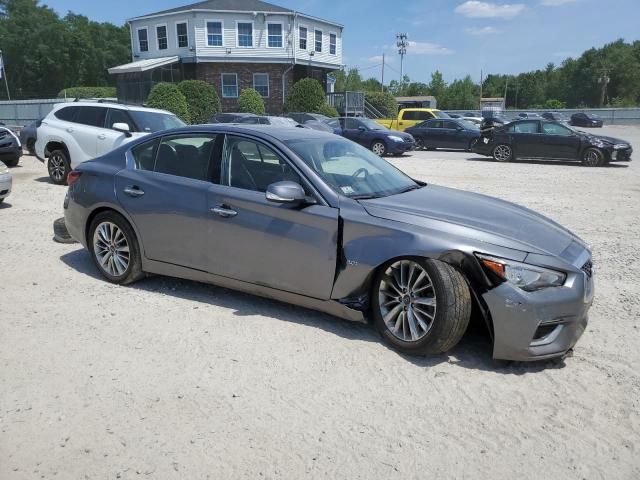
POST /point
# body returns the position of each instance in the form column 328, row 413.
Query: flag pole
column 4, row 74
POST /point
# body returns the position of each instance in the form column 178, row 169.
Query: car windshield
column 440, row 114
column 371, row 125
column 351, row 170
column 152, row 122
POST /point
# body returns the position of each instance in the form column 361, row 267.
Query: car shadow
column 532, row 161
column 5, row 205
column 43, row 180
column 472, row 352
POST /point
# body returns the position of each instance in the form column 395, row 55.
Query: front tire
column 592, row 157
column 59, row 167
column 114, row 248
column 419, row 143
column 502, row 153
column 420, row 307
column 379, row 148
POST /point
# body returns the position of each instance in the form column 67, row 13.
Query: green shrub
column 384, row 102
column 167, row 96
column 88, row 92
column 202, row 100
column 306, row 95
column 553, row 104
column 250, row 101
column 327, row 110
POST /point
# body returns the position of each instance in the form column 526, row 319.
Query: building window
column 332, row 43
column 303, row 38
column 161, row 33
column 318, row 40
column 261, row 83
column 181, row 33
column 214, row 34
column 274, row 35
column 143, row 40
column 229, row 85
column 245, row 34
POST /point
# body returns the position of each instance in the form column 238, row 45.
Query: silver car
column 313, row 219
column 6, row 180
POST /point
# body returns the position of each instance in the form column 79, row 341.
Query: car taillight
column 73, row 177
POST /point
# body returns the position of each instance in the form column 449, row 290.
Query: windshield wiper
column 365, row 197
column 408, row 189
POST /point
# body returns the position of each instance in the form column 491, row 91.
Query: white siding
column 260, row 52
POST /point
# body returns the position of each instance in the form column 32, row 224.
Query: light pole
column 402, row 45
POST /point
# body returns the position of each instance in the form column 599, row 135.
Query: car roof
column 264, row 131
column 119, row 106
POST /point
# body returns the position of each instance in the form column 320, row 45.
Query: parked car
column 586, row 120
column 73, row 133
column 528, row 115
column 454, row 115
column 303, row 117
column 445, row 133
column 316, row 220
column 269, row 120
column 29, row 135
column 551, row 140
column 372, row 135
column 6, row 179
column 318, row 125
column 230, row 117
column 10, row 147
column 410, row 117
column 555, row 116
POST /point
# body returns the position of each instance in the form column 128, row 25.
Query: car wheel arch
column 112, row 208
column 53, row 145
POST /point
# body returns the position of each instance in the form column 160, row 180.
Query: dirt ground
column 169, row 379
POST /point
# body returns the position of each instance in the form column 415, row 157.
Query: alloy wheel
column 378, row 148
column 407, row 300
column 592, row 158
column 419, row 143
column 502, row 153
column 111, row 249
column 57, row 167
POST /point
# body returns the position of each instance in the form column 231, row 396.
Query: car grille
column 588, row 268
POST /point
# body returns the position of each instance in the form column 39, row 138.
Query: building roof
column 225, row 5
column 144, row 65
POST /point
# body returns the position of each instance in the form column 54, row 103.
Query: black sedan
column 442, row 133
column 555, row 116
column 586, row 120
column 551, row 140
column 378, row 138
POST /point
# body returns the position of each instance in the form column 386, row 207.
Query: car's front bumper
column 620, row 155
column 539, row 325
column 395, row 148
column 6, row 182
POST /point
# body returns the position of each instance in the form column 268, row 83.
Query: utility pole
column 402, row 44
column 604, row 80
column 481, row 82
column 382, row 79
column 506, row 87
column 3, row 73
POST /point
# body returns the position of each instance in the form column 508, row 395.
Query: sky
column 457, row 37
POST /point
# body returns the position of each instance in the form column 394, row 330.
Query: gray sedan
column 313, row 219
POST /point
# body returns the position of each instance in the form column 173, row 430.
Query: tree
column 437, row 86
column 88, row 92
column 167, row 96
column 202, row 100
column 250, row 101
column 306, row 95
column 372, row 85
column 326, row 110
column 385, row 103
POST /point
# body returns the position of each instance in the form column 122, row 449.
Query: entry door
column 290, row 248
column 166, row 194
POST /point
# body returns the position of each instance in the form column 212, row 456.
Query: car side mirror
column 362, row 129
column 122, row 128
column 287, row 192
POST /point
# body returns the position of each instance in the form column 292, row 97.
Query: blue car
column 378, row 138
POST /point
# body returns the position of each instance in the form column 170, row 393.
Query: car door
column 355, row 131
column 450, row 134
column 89, row 123
column 165, row 191
column 559, row 142
column 289, row 248
column 526, row 138
column 109, row 139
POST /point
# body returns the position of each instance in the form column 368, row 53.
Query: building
column 232, row 44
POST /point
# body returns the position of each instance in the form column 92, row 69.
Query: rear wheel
column 421, row 306
column 592, row 157
column 379, row 148
column 502, row 153
column 58, row 167
column 114, row 248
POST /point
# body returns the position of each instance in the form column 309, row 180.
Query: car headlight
column 527, row 277
column 395, row 138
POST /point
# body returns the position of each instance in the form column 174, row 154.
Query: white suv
column 73, row 133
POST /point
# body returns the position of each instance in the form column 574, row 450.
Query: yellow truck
column 408, row 117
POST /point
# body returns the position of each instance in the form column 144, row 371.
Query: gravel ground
column 171, row 379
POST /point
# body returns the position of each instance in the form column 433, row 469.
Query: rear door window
column 188, row 156
column 524, row 127
column 67, row 113
column 91, row 116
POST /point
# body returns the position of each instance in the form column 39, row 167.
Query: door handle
column 134, row 191
column 102, row 136
column 224, row 212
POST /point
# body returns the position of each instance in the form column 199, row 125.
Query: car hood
column 475, row 216
column 403, row 135
column 611, row 140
